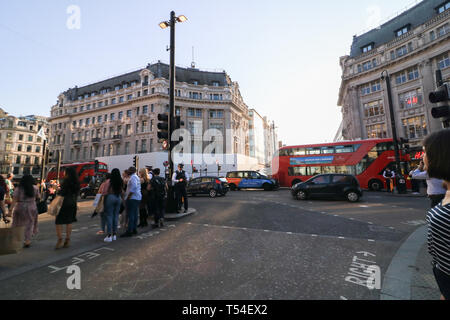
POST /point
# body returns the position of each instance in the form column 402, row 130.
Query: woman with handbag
column 24, row 208
column 70, row 190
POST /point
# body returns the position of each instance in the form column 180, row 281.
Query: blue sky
column 284, row 54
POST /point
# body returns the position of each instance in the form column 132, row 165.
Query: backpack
column 159, row 187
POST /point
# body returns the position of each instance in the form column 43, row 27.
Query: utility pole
column 398, row 170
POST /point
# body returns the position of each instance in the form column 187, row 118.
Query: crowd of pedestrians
column 128, row 200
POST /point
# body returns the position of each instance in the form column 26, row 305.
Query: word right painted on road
column 364, row 272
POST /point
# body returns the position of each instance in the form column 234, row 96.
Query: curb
column 398, row 278
column 179, row 215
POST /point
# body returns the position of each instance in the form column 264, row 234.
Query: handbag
column 42, row 207
column 11, row 240
column 55, row 206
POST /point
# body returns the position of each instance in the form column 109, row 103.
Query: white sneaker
column 114, row 237
column 108, row 239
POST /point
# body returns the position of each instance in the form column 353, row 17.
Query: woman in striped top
column 437, row 164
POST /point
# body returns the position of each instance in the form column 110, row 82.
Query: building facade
column 118, row 116
column 410, row 47
column 263, row 137
column 21, row 148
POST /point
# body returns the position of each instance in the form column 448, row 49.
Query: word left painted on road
column 193, row 310
column 81, row 258
column 364, row 272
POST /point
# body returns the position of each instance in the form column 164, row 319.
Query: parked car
column 329, row 186
column 213, row 186
column 250, row 179
column 88, row 191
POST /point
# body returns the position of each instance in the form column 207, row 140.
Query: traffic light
column 194, row 170
column 177, row 123
column 136, row 162
column 96, row 167
column 441, row 97
column 163, row 126
column 404, row 145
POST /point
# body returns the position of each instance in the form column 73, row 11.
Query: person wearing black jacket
column 179, row 180
column 158, row 194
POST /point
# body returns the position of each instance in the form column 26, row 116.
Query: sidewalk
column 410, row 274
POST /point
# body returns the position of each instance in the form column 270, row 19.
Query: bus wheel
column 375, row 185
column 301, row 195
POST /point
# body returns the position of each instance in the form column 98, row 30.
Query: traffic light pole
column 398, row 171
column 44, row 155
column 171, row 92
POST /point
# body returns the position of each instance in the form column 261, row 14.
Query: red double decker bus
column 365, row 159
column 85, row 170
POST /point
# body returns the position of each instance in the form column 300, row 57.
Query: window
column 120, row 115
column 312, row 150
column 321, row 180
column 127, row 129
column 117, row 88
column 19, row 148
column 413, row 73
column 443, row 7
column 443, row 30
column 144, row 125
column 113, row 101
column 376, row 86
column 216, row 83
column 376, row 131
column 121, row 99
column 345, row 149
column 20, row 137
column 145, row 92
column 402, row 31
column 144, row 109
column 100, row 104
column 74, row 110
column 129, row 97
column 401, row 51
column 99, row 119
column 400, row 78
column 216, row 114
column 30, row 138
column 112, row 116
column 432, row 36
column 415, row 127
column 374, row 108
column 411, row 99
column 88, row 121
column 128, row 113
column 443, row 61
column 127, row 147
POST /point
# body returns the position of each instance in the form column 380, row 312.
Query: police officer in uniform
column 179, row 181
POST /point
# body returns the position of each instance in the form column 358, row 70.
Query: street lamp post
column 398, row 172
column 171, row 204
column 171, row 24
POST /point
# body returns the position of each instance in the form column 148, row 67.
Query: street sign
column 42, row 134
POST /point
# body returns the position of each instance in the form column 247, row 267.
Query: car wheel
column 352, row 196
column 375, row 185
column 233, row 187
column 212, row 193
column 301, row 195
column 267, row 187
